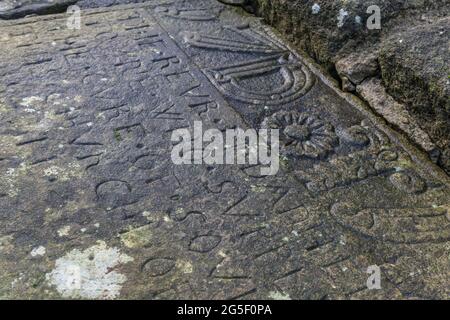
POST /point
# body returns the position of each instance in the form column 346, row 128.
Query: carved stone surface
column 86, row 119
column 12, row 9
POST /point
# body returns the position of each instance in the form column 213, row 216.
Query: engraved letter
column 182, row 152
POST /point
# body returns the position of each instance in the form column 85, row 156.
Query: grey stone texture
column 91, row 205
column 13, row 9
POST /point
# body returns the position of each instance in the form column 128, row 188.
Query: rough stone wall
column 415, row 67
column 410, row 52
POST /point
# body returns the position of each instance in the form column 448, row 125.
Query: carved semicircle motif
column 275, row 77
column 271, row 80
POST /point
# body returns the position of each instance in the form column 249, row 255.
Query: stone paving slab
column 13, row 9
column 88, row 186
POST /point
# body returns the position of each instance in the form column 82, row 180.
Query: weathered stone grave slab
column 87, row 183
column 12, row 9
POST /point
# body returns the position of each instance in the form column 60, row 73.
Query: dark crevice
column 334, row 73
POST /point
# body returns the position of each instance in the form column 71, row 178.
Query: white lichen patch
column 9, row 181
column 89, row 274
column 17, row 281
column 71, row 102
column 275, row 295
column 4, row 108
column 52, row 171
column 48, row 121
column 258, row 189
column 6, row 244
column 185, row 266
column 31, row 101
column 147, row 215
column 64, row 231
column 38, row 251
column 70, row 171
column 54, row 99
column 222, row 254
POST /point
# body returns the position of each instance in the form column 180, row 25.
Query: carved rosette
column 303, row 134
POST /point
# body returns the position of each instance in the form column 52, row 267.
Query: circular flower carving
column 303, row 134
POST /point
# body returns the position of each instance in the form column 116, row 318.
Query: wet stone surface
column 87, row 185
